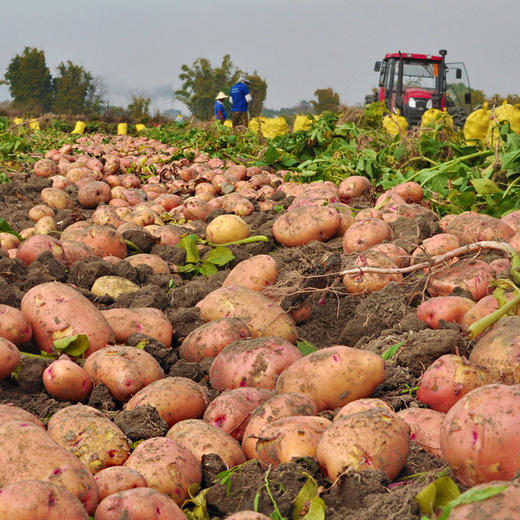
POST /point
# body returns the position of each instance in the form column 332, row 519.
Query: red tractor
column 413, row 83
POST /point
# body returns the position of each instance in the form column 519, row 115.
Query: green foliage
column 207, row 265
column 74, row 346
column 328, row 100
column 138, row 110
column 305, row 347
column 75, row 91
column 390, row 352
column 30, row 81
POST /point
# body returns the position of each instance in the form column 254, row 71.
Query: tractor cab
column 413, row 83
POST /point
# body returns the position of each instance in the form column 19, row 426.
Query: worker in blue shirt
column 219, row 109
column 240, row 97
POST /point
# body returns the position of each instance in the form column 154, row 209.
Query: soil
column 373, row 322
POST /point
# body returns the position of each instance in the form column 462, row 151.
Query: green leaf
column 196, row 507
column 141, row 345
column 6, row 228
column 73, row 346
column 220, row 255
column 271, row 155
column 305, row 347
column 207, row 269
column 437, row 494
column 485, row 186
column 308, row 499
column 471, row 496
column 188, row 268
column 509, row 160
column 390, row 352
column 189, row 244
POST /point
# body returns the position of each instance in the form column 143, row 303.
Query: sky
column 297, row 46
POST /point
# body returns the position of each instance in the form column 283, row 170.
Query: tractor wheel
column 459, row 116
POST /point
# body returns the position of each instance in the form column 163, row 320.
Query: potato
column 39, row 211
column 90, row 436
column 167, row 466
column 482, row 308
column 56, row 198
column 373, row 439
column 346, row 218
column 247, row 515
column 27, row 452
column 142, row 503
column 252, row 362
column 364, row 234
column 209, row 339
column 194, row 208
column 45, row 226
column 231, row 410
column 106, row 215
column 396, row 253
column 8, row 241
column 360, row 405
column 144, row 320
column 498, row 350
column 447, row 308
column 479, row 436
column 38, row 244
column 276, row 407
column 9, row 412
column 435, row 245
column 75, row 251
column 425, row 427
column 117, row 478
column 123, row 370
column 67, row 381
column 45, row 168
column 14, row 326
column 409, row 191
column 113, row 286
column 175, row 399
column 56, row 310
column 501, row 506
column 227, row 228
column 167, row 235
column 257, row 273
column 36, row 499
column 295, row 436
column 93, row 193
column 237, row 204
column 259, row 313
column 158, row 265
column 470, row 275
column 352, row 187
column 333, row 376
column 201, row 438
column 474, row 227
column 302, row 225
column 103, row 240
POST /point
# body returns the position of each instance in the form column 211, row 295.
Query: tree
column 258, row 89
column 497, row 99
column 139, row 109
column 328, row 100
column 74, row 90
column 30, row 81
column 201, row 83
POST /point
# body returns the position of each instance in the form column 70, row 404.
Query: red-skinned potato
column 75, row 251
column 396, row 253
column 479, row 435
column 435, row 245
column 194, row 208
column 373, row 439
column 360, row 405
column 144, row 320
column 333, row 376
column 209, row 339
column 449, row 378
column 290, row 437
column 9, row 357
column 174, row 398
column 446, row 308
column 27, row 452
column 230, row 411
column 276, row 407
column 93, row 193
column 9, row 412
column 117, row 478
column 104, row 240
column 352, row 187
column 14, row 326
column 257, row 273
column 35, row 499
column 425, row 428
column 66, row 381
column 300, row 226
column 142, row 503
column 38, row 244
column 158, row 265
column 409, row 191
column 482, row 308
column 474, row 227
column 252, row 362
column 45, row 168
column 364, row 234
column 498, row 350
column 167, row 466
column 201, row 438
column 56, row 310
column 123, row 370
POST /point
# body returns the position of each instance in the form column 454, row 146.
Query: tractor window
column 417, row 74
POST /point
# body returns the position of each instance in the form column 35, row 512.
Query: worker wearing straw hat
column 219, row 109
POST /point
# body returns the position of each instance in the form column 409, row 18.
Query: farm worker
column 240, row 97
column 219, row 109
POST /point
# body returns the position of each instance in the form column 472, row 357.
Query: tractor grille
column 420, row 104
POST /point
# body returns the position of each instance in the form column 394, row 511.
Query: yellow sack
column 18, row 121
column 395, row 124
column 302, row 123
column 508, row 112
column 477, row 124
column 34, row 125
column 228, row 123
column 434, row 116
column 79, row 128
column 270, row 127
column 139, row 127
column 122, row 128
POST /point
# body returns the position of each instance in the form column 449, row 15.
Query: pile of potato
column 270, row 397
